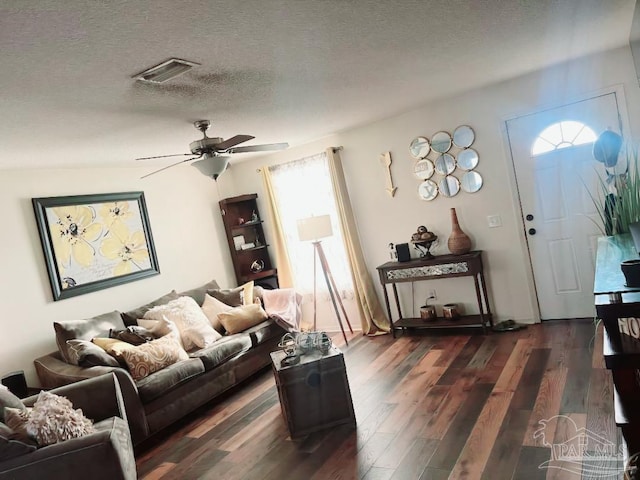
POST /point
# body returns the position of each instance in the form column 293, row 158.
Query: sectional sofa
column 161, row 398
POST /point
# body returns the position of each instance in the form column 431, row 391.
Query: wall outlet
column 431, row 295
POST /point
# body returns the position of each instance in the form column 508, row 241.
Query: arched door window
column 567, row 133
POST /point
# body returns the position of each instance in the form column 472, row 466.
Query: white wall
column 382, row 219
column 189, row 235
column 187, row 230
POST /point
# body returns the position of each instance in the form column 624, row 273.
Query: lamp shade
column 314, row 228
column 211, row 166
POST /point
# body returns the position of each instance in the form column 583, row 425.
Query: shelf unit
column 243, row 225
column 618, row 307
column 440, row 267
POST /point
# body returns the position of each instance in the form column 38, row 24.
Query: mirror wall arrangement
column 451, row 158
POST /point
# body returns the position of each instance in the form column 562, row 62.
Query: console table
column 442, row 266
column 618, row 307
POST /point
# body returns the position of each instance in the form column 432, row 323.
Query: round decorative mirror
column 471, row 182
column 419, row 147
column 445, row 164
column 428, row 190
column 463, row 136
column 449, row 186
column 441, row 142
column 424, row 169
column 468, row 159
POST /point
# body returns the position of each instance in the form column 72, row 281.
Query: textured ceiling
column 281, row 70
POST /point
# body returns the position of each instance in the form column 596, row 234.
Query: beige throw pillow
column 240, row 318
column 195, row 329
column 212, row 307
column 145, row 359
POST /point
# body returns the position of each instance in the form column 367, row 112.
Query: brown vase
column 458, row 242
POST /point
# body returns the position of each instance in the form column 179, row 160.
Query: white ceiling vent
column 165, row 71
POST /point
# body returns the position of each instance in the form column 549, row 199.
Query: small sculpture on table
column 422, row 241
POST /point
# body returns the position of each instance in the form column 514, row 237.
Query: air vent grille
column 165, row 71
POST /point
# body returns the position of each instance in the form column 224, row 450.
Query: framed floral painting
column 92, row 242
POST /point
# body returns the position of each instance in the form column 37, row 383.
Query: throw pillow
column 10, row 446
column 134, row 334
column 52, row 419
column 240, row 318
column 194, row 327
column 150, row 357
column 87, row 354
column 161, row 328
column 232, row 297
column 198, row 293
column 98, row 326
column 113, row 347
column 16, row 419
column 131, row 316
column 247, row 293
column 9, row 400
column 211, row 308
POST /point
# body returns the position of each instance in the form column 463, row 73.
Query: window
column 567, row 133
column 303, row 188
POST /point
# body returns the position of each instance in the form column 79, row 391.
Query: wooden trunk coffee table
column 314, row 394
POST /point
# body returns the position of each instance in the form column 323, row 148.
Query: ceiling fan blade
column 169, row 166
column 259, row 148
column 166, row 156
column 230, row 142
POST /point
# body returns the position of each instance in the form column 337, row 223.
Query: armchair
column 106, row 454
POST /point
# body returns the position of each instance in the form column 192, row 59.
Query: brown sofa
column 106, row 454
column 163, row 397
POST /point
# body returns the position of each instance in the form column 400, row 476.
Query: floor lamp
column 313, row 229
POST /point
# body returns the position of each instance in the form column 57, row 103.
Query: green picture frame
column 93, row 242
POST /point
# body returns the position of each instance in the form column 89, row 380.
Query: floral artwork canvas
column 95, row 241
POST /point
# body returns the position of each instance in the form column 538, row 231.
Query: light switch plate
column 494, row 221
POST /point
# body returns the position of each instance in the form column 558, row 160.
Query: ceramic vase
column 458, row 241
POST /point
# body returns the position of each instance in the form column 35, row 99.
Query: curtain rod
column 335, row 149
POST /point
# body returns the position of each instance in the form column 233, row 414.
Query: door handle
column 532, row 231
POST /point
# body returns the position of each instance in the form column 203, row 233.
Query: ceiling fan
column 209, row 151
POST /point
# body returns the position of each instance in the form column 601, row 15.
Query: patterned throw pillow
column 150, row 357
column 113, row 347
column 51, row 420
column 195, row 329
column 240, row 318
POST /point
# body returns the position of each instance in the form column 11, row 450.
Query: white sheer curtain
column 303, row 188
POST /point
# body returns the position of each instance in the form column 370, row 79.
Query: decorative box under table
column 314, row 394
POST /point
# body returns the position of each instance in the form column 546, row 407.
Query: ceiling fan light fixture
column 211, row 166
column 165, row 71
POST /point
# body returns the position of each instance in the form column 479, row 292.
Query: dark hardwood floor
column 427, row 407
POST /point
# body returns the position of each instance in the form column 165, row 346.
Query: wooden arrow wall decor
column 385, row 159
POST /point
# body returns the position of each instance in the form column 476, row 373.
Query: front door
column 554, row 178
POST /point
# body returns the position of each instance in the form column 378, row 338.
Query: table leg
column 386, row 302
column 395, row 295
column 479, row 298
column 486, row 297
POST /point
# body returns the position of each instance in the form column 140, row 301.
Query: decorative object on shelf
column 419, row 147
column 451, row 311
column 240, row 221
column 631, row 271
column 247, row 246
column 428, row 190
column 385, row 159
column 254, row 217
column 238, row 241
column 314, row 229
column 402, row 251
column 441, row 142
column 428, row 312
column 422, row 241
column 463, row 136
column 289, row 346
column 458, row 241
column 257, row 266
column 93, row 242
column 392, row 251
